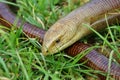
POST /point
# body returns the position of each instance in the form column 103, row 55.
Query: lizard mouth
column 58, row 45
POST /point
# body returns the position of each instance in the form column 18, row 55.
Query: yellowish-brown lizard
column 69, row 29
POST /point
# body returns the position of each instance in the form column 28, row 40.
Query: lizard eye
column 57, row 41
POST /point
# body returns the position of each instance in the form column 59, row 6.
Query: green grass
column 21, row 57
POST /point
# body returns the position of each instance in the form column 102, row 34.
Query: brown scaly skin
column 94, row 59
column 70, row 29
column 29, row 29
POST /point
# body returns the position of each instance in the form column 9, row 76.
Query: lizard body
column 70, row 29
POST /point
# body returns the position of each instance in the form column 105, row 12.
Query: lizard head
column 59, row 37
